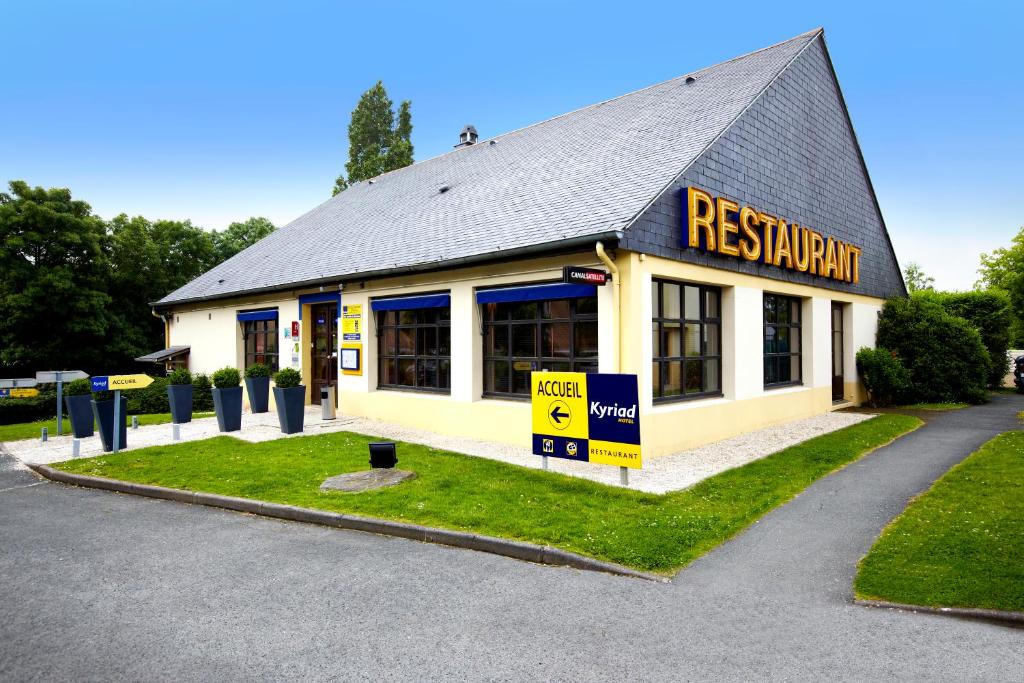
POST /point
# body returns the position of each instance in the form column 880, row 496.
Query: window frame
column 792, row 327
column 538, row 322
column 270, row 332
column 703, row 320
column 418, row 355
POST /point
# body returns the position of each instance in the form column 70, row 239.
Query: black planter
column 258, row 389
column 291, row 408
column 180, row 398
column 103, row 411
column 80, row 412
column 228, row 404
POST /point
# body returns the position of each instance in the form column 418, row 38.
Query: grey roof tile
column 588, row 172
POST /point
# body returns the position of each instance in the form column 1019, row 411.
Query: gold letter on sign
column 801, row 248
column 830, row 258
column 854, row 263
column 700, row 212
column 782, row 248
column 842, row 261
column 750, row 243
column 817, row 251
column 769, row 231
column 727, row 227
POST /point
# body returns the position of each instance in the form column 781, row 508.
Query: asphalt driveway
column 106, row 586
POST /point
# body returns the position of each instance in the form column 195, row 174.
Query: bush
column 943, row 353
column 150, row 400
column 78, row 387
column 258, row 370
column 202, row 396
column 103, row 395
column 989, row 312
column 884, row 376
column 287, row 377
column 41, row 407
column 180, row 376
column 226, row 378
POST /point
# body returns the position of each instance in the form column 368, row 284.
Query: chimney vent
column 467, row 137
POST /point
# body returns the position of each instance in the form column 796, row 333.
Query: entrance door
column 324, row 351
column 837, row 352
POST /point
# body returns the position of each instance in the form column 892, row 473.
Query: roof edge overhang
column 559, row 246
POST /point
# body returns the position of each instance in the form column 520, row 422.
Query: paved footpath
column 95, row 585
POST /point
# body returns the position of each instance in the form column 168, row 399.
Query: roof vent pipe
column 467, row 137
column 690, row 79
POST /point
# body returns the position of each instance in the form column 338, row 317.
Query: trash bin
column 327, row 403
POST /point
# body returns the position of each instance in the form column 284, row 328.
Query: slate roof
column 585, row 174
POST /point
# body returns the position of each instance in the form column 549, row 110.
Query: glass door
column 324, row 351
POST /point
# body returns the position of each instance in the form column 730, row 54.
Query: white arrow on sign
column 17, row 383
column 51, row 376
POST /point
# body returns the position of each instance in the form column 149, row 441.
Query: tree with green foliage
column 376, row 142
column 1003, row 269
column 54, row 307
column 988, row 311
column 240, row 235
column 916, row 279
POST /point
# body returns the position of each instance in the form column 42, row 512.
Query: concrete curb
column 1008, row 618
column 459, row 539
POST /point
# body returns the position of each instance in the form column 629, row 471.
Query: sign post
column 59, row 376
column 587, row 417
column 117, row 383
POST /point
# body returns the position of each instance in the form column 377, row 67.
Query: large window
column 260, row 340
column 520, row 337
column 782, row 359
column 687, row 332
column 414, row 349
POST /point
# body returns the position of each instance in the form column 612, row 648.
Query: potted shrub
column 103, row 412
column 78, row 399
column 179, row 395
column 257, row 385
column 227, row 399
column 290, row 396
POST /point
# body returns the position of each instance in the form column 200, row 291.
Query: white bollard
column 135, row 421
column 76, row 448
column 44, row 435
column 624, row 476
column 176, row 431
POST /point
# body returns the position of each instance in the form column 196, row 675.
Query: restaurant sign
column 722, row 226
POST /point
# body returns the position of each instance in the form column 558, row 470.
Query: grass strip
column 961, row 543
column 657, row 533
column 31, row 430
column 935, row 406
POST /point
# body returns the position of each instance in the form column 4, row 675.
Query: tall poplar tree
column 377, row 143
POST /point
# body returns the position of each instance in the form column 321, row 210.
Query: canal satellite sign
column 586, row 417
column 119, row 382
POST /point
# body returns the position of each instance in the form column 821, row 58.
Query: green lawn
column 31, row 430
column 960, row 544
column 935, row 406
column 641, row 530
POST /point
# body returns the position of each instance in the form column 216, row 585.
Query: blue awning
column 554, row 290
column 319, row 298
column 407, row 303
column 257, row 315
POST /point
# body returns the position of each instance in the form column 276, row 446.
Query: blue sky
column 219, row 111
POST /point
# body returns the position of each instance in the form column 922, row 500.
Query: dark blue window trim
column 407, row 303
column 554, row 290
column 319, row 298
column 244, row 316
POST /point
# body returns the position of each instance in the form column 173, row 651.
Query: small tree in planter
column 78, row 399
column 257, row 385
column 103, row 412
column 290, row 397
column 227, row 399
column 179, row 395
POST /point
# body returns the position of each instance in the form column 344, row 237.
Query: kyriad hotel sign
column 722, row 226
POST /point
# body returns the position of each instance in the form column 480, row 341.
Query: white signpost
column 18, row 383
column 59, row 376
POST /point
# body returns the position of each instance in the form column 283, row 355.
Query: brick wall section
column 793, row 155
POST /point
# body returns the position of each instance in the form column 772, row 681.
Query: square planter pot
column 258, row 389
column 228, row 404
column 103, row 411
column 180, row 398
column 291, row 408
column 80, row 412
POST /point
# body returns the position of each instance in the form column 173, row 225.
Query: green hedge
column 19, row 410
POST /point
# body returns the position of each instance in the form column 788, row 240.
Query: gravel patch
column 659, row 475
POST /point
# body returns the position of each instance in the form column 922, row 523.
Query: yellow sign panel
column 18, row 393
column 351, row 358
column 586, row 417
column 116, row 382
column 351, row 322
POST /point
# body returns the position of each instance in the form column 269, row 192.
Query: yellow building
column 731, row 206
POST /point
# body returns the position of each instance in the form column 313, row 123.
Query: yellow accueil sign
column 586, row 417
